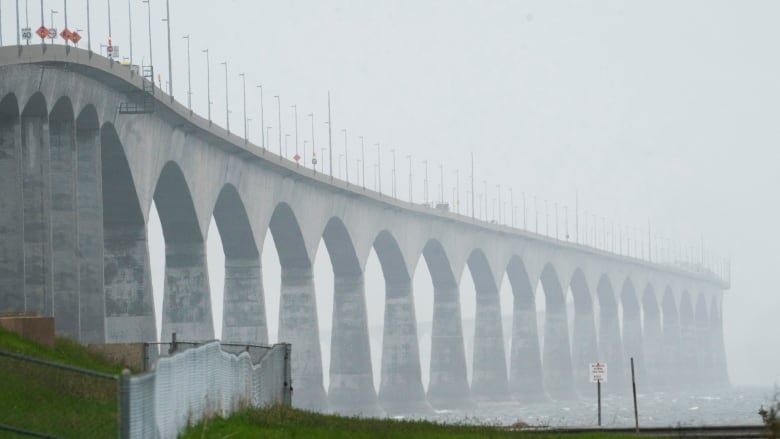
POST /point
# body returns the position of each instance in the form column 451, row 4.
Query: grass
column 54, row 401
column 279, row 422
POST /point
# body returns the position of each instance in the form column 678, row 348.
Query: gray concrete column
column 632, row 343
column 187, row 301
column 351, row 389
column 401, row 389
column 89, row 201
column 244, row 317
column 128, row 285
column 558, row 379
column 584, row 347
column 11, row 208
column 298, row 326
column 611, row 348
column 704, row 357
column 671, row 345
column 689, row 349
column 719, row 362
column 488, row 376
column 65, row 269
column 448, row 386
column 37, row 220
column 653, row 346
column 525, row 364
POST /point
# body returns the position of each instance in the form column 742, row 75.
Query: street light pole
column 330, row 140
column 313, row 149
column 457, row 191
column 279, row 117
column 227, row 102
column 262, row 119
column 425, row 182
column 130, row 29
column 170, row 63
column 346, row 154
column 56, row 12
column 189, row 77
column 363, row 160
column 295, row 111
column 243, row 82
column 379, row 167
column 393, row 181
column 149, row 16
column 410, row 177
column 208, row 84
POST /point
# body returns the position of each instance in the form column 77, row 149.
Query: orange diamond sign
column 75, row 37
column 66, row 34
column 42, row 32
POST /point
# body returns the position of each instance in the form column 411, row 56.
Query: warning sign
column 297, row 157
column 598, row 372
column 66, row 34
column 75, row 37
column 42, row 32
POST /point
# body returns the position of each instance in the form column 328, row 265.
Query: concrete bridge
column 77, row 180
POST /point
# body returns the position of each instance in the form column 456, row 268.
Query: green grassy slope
column 285, row 423
column 53, row 401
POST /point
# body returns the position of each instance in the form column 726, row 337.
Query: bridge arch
column 128, row 286
column 556, row 356
column 243, row 311
column 351, row 384
column 632, row 327
column 525, row 365
column 652, row 336
column 489, row 375
column 298, row 322
column 12, row 297
column 400, row 386
column 610, row 345
column 584, row 341
column 671, row 339
column 186, row 297
column 448, row 384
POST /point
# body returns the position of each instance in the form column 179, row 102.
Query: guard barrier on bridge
column 200, row 382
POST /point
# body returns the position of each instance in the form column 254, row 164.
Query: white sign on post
column 26, row 34
column 598, row 372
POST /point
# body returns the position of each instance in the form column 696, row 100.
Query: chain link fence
column 185, row 382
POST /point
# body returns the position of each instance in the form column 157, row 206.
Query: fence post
column 124, row 404
column 288, row 388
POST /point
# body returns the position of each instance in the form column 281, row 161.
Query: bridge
column 78, row 178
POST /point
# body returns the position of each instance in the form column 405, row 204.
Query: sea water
column 734, row 406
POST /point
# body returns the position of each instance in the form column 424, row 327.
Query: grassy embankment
column 53, row 401
column 285, row 423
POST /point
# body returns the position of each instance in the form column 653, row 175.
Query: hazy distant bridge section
column 77, row 181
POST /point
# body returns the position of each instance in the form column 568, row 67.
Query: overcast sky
column 659, row 111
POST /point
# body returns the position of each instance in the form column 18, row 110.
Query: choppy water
column 738, row 405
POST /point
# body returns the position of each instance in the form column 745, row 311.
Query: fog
column 651, row 113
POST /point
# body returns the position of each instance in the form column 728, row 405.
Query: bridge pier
column 584, row 347
column 610, row 345
column 351, row 390
column 558, row 379
column 525, row 373
column 401, row 389
column 187, row 301
column 719, row 366
column 704, row 356
column 632, row 339
column 92, row 312
column 12, row 296
column 652, row 341
column 671, row 345
column 488, row 376
column 298, row 326
column 244, row 317
column 689, row 368
column 448, row 386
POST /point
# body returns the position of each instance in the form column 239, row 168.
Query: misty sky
column 659, row 111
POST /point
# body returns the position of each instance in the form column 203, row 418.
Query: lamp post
column 295, row 113
column 313, row 150
column 425, row 182
column 393, row 181
column 243, row 82
column 57, row 12
column 279, row 117
column 167, row 19
column 346, row 154
column 286, row 136
column 457, row 191
column 379, row 167
column 149, row 17
column 512, row 207
column 208, row 85
column 227, row 102
column 130, row 30
column 410, row 177
column 330, row 140
column 189, row 78
column 262, row 120
column 363, row 160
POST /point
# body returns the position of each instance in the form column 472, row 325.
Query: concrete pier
column 12, row 297
column 652, row 341
column 584, row 347
column 488, row 376
column 556, row 358
column 633, row 345
column 610, row 345
column 671, row 343
column 525, row 362
column 704, row 352
column 689, row 366
column 351, row 390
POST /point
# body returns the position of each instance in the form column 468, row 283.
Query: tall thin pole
column 441, row 182
column 208, row 85
column 64, row 13
column 295, row 111
column 18, row 30
column 330, row 142
column 379, row 167
column 512, row 206
column 313, row 149
column 346, row 156
column 109, row 20
column 425, row 182
column 89, row 30
column 243, row 82
column 130, row 29
column 577, row 217
column 457, row 191
column 500, row 213
column 43, row 21
column 633, row 388
column 363, row 160
column 170, row 62
column 149, row 16
column 279, row 118
column 227, row 102
column 410, row 177
column 262, row 118
column 189, row 78
column 472, row 185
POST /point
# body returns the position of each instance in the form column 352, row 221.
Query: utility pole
column 472, row 185
column 243, row 81
column 279, row 117
column 208, row 85
column 363, row 160
column 393, row 181
column 379, row 167
column 262, row 120
column 410, row 177
column 170, row 63
column 295, row 113
column 313, row 148
column 189, row 79
column 227, row 106
column 330, row 142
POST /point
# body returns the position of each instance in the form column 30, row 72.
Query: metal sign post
column 598, row 373
column 633, row 387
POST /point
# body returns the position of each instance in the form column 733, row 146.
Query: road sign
column 42, row 32
column 26, row 34
column 66, row 34
column 314, row 161
column 598, row 372
column 52, row 32
column 75, row 37
column 297, row 157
